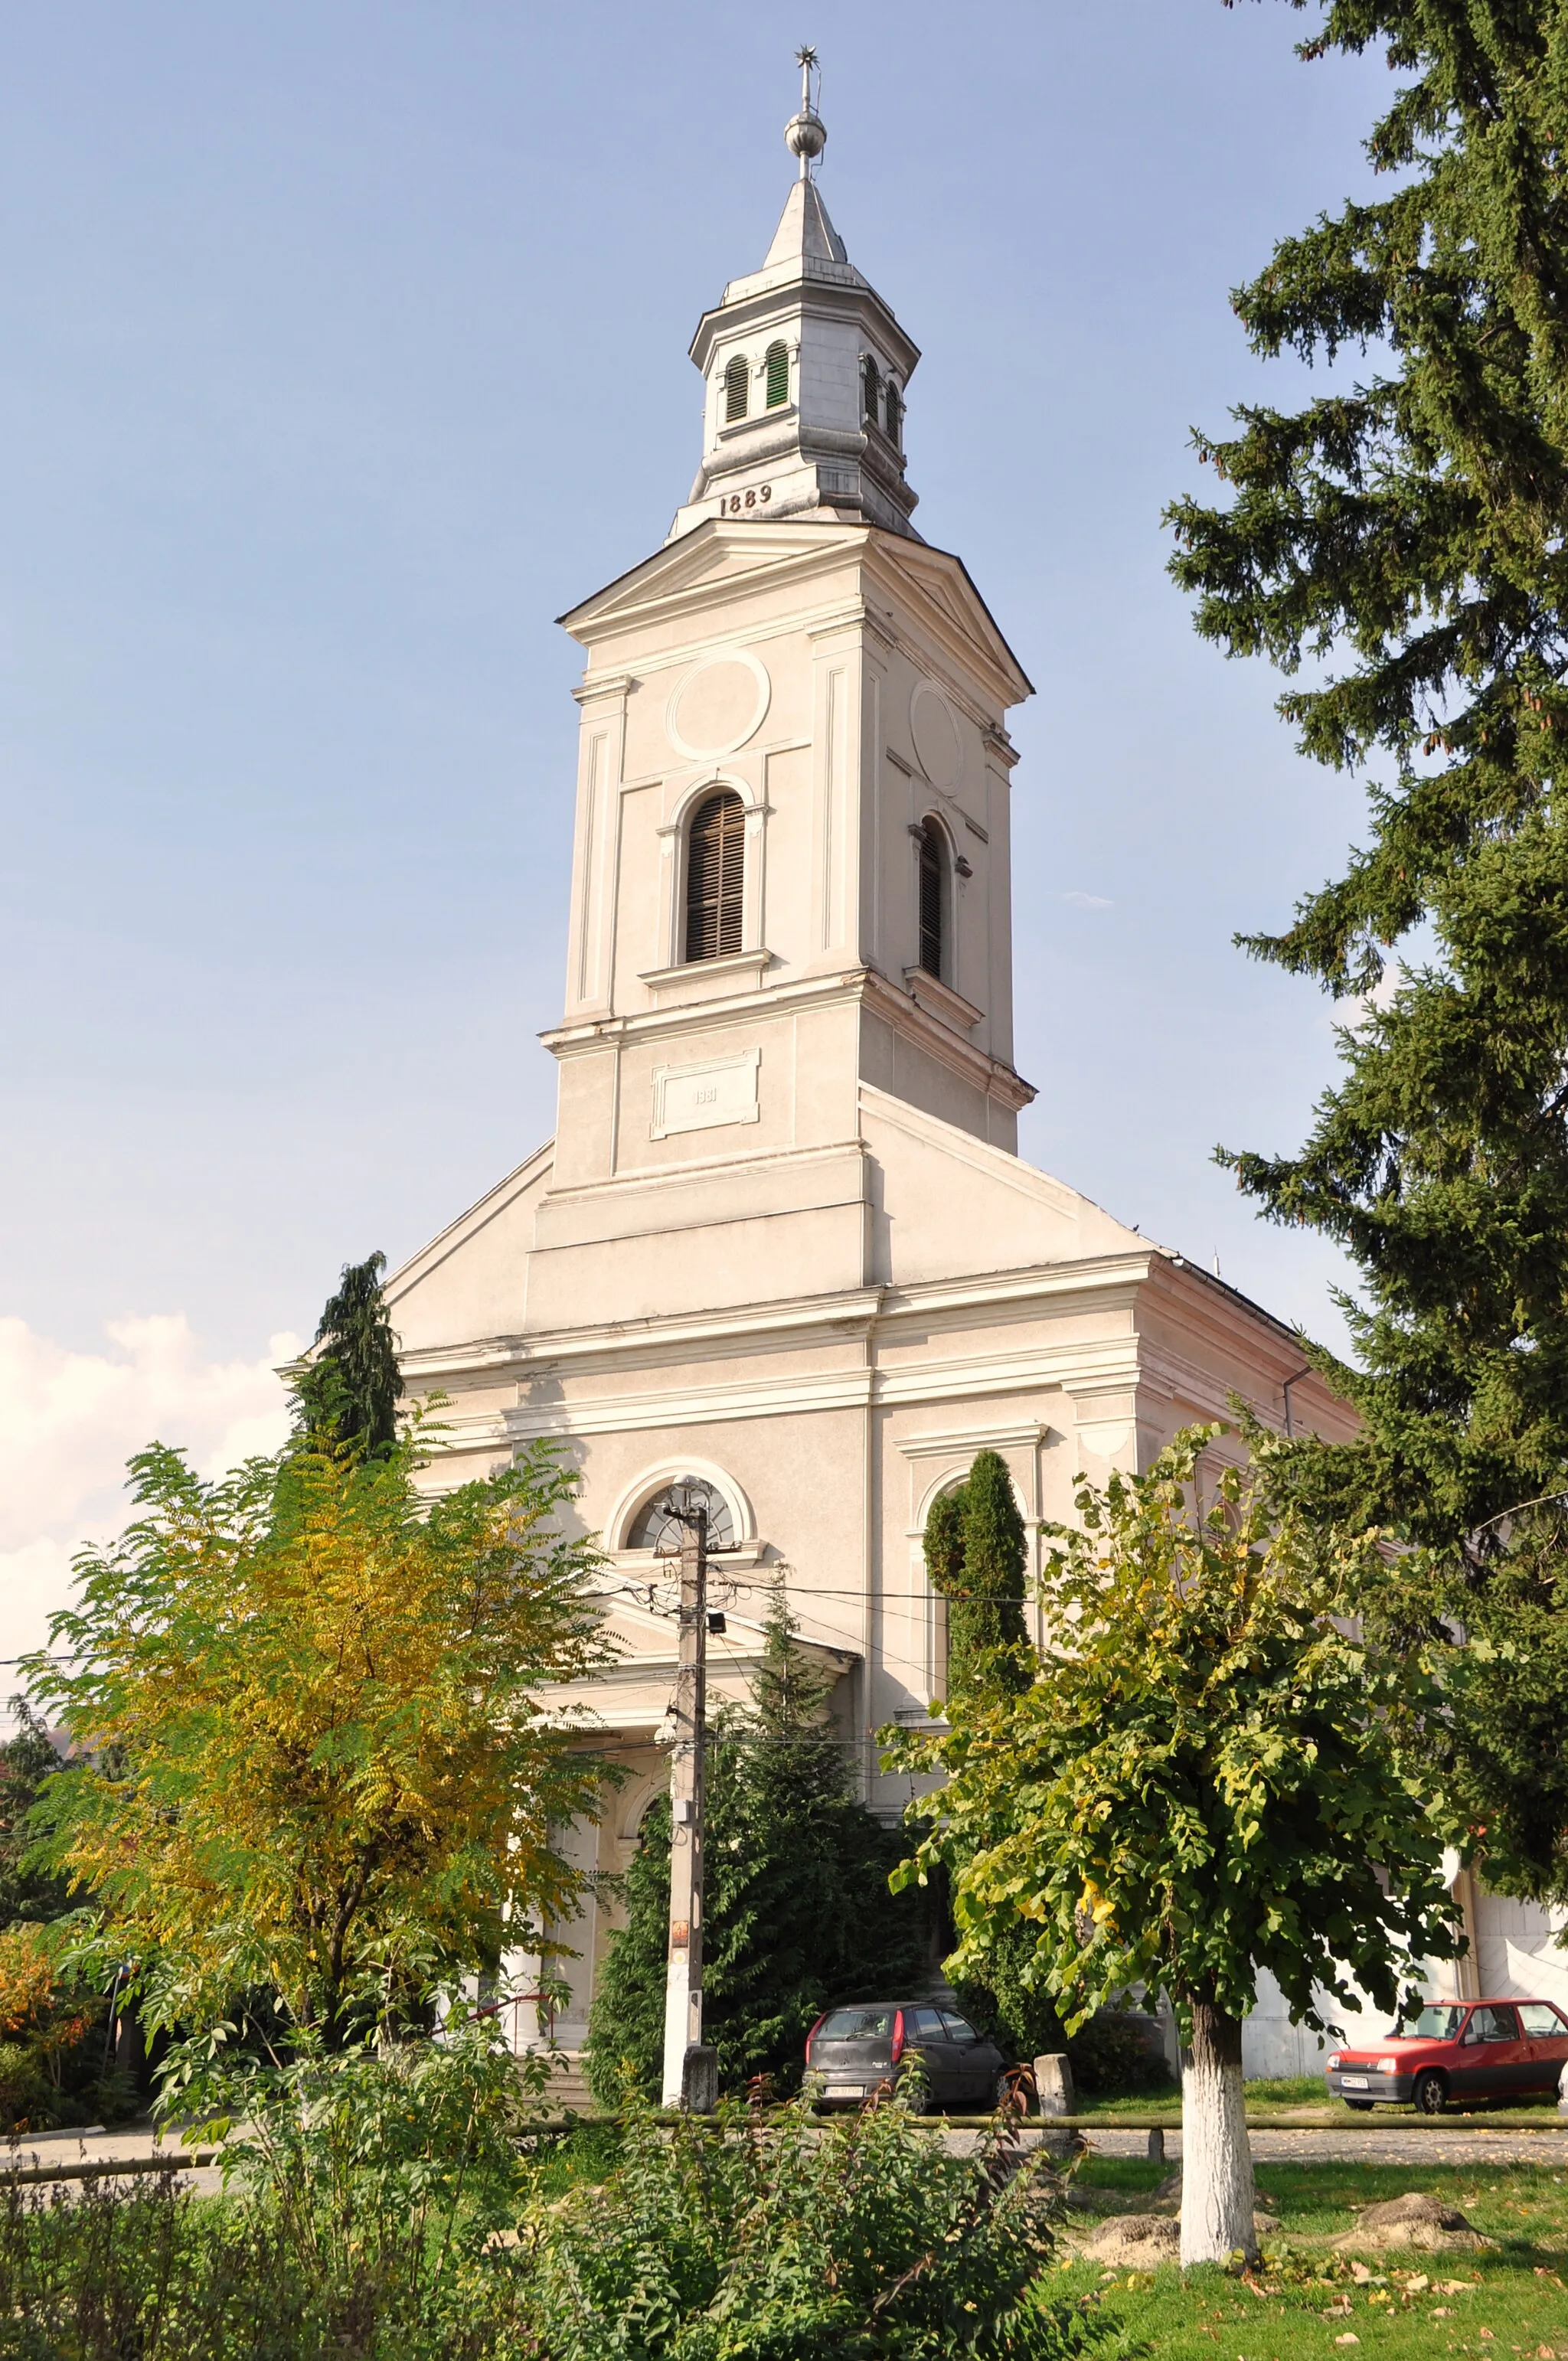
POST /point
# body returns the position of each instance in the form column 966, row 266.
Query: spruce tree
column 1404, row 536
column 352, row 1388
column 797, row 1909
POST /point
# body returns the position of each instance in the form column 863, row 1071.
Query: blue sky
column 346, row 348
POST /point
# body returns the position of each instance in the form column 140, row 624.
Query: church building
column 783, row 1241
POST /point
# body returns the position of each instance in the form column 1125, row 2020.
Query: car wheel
column 1431, row 2093
column 1361, row 2106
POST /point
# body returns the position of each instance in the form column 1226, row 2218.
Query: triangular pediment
column 944, row 582
column 718, row 557
column 713, row 553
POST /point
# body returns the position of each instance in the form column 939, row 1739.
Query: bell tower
column 790, row 886
column 805, row 373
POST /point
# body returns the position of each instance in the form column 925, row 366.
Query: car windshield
column 1436, row 2022
column 856, row 2025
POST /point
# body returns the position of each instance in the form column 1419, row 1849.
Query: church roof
column 804, row 234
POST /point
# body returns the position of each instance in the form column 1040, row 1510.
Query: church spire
column 805, row 368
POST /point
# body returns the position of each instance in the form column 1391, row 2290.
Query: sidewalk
column 38, row 2154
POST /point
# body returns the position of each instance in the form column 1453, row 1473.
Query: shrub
column 363, row 2188
column 787, row 2238
column 1113, row 2053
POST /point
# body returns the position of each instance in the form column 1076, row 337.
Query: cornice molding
column 866, row 985
column 1023, row 1434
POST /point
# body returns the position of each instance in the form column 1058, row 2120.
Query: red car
column 1456, row 2051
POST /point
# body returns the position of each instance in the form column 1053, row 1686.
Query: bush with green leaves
column 782, row 2238
column 362, row 2186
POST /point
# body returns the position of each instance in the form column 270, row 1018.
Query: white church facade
column 782, row 1240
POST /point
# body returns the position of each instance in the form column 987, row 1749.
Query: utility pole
column 683, row 1989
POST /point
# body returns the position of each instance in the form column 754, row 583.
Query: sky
column 346, row 347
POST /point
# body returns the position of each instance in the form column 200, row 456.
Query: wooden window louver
column 869, row 381
column 715, row 874
column 735, row 390
column 931, row 896
column 894, row 414
column 777, row 360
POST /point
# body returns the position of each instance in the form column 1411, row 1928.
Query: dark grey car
column 854, row 2051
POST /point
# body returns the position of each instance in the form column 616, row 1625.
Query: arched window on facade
column 870, row 384
column 776, row 360
column 716, row 861
column 652, row 1527
column 737, row 386
column 894, row 414
column 933, row 898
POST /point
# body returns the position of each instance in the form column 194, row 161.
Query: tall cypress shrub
column 976, row 1559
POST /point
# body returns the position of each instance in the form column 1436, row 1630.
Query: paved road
column 1336, row 2146
column 1412, row 2148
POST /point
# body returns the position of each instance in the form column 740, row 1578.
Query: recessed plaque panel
column 703, row 1098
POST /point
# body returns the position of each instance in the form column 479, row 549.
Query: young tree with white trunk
column 1208, row 1776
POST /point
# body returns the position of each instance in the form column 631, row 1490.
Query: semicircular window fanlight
column 654, row 1528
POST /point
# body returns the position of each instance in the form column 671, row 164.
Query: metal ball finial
column 806, row 134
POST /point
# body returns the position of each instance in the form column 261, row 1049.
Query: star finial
column 806, row 135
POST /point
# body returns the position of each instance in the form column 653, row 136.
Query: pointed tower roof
column 805, row 233
column 806, row 370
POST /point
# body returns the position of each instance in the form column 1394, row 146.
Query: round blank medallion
column 719, row 705
column 935, row 735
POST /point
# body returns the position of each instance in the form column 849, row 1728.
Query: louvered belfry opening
column 777, row 360
column 716, row 862
column 869, row 385
column 735, row 390
column 931, row 883
column 895, row 413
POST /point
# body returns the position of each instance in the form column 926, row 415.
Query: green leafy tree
column 1402, row 535
column 1208, row 1778
column 351, row 1384
column 314, row 1761
column 798, row 1912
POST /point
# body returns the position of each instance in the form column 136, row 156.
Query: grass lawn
column 1292, row 2090
column 1305, row 2300
column 1286, row 2094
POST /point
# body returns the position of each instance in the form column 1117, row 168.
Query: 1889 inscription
column 737, row 503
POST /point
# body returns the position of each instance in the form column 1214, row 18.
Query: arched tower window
column 933, row 897
column 869, row 383
column 777, row 363
column 715, row 874
column 737, row 379
column 894, row 414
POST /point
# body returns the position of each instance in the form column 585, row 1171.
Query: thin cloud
column 1087, row 901
column 70, row 1421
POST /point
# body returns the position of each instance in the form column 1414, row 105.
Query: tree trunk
column 1216, row 2162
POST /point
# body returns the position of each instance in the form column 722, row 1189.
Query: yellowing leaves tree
column 1207, row 1778
column 318, row 1761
